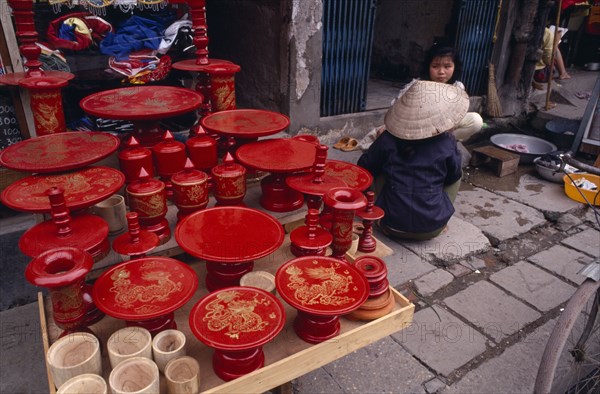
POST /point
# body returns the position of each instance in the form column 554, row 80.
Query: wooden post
column 554, row 49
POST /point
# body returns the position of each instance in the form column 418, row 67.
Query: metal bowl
column 535, row 146
column 547, row 173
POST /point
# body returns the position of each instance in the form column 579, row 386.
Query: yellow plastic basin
column 572, row 191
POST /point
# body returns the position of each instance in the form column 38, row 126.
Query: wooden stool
column 501, row 161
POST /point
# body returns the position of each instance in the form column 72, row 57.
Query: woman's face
column 441, row 69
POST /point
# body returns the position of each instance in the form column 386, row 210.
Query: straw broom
column 493, row 107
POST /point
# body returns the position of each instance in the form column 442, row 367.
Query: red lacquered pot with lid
column 202, row 149
column 230, row 182
column 148, row 197
column 133, row 158
column 190, row 190
column 169, row 155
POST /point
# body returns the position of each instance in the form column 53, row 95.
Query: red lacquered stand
column 135, row 243
column 230, row 182
column 169, row 157
column 369, row 214
column 190, row 190
column 381, row 300
column 321, row 289
column 46, row 103
column 310, row 239
column 229, row 239
column 133, row 158
column 343, row 202
column 85, row 231
column 148, row 197
column 236, row 322
column 146, row 292
column 222, row 85
column 314, row 185
column 62, row 271
column 280, row 157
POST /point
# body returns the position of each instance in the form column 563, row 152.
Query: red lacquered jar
column 202, row 149
column 148, row 197
column 133, row 158
column 169, row 158
column 222, row 85
column 190, row 190
column 230, row 182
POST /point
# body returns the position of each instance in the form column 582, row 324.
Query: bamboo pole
column 46, row 342
column 554, row 49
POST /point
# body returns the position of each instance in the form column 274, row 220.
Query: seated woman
column 415, row 161
column 442, row 64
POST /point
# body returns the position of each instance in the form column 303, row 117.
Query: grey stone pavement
column 487, row 292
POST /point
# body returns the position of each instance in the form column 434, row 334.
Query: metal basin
column 535, row 146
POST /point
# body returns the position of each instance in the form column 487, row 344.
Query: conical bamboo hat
column 426, row 109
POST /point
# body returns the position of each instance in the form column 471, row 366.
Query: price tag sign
column 9, row 127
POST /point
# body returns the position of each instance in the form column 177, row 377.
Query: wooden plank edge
column 276, row 374
column 45, row 340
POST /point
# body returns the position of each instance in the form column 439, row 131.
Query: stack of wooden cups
column 381, row 300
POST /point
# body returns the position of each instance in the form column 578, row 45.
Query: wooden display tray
column 286, row 357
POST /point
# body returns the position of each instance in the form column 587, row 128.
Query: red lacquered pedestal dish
column 135, row 243
column 314, row 185
column 310, row 239
column 229, row 239
column 280, row 157
column 244, row 125
column 354, row 176
column 321, row 289
column 236, row 322
column 146, row 292
column 369, row 214
column 82, row 189
column 62, row 271
column 85, row 231
column 145, row 106
column 58, row 152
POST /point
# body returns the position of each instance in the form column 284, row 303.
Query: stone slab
column 433, row 281
column 434, row 386
column 403, row 265
column 317, row 381
column 587, row 241
column 513, row 371
column 459, row 270
column 494, row 312
column 382, row 367
column 532, row 284
column 22, row 366
column 496, row 216
column 459, row 240
column 444, row 345
column 562, row 261
column 541, row 194
column 592, row 218
column 474, row 263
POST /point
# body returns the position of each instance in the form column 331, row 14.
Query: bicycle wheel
column 571, row 360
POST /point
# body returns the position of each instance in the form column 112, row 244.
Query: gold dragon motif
column 327, row 292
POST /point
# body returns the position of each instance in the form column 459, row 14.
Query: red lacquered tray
column 229, row 234
column 321, row 285
column 190, row 64
column 59, row 152
column 245, row 123
column 355, row 177
column 145, row 288
column 82, row 189
column 237, row 318
column 277, row 155
column 141, row 102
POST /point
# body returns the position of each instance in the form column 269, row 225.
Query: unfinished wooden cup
column 260, row 279
column 72, row 355
column 129, row 342
column 183, row 376
column 84, row 384
column 167, row 345
column 137, row 375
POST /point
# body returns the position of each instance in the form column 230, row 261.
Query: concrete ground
column 488, row 292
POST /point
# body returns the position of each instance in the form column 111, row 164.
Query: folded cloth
column 76, row 31
column 133, row 35
column 171, row 32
